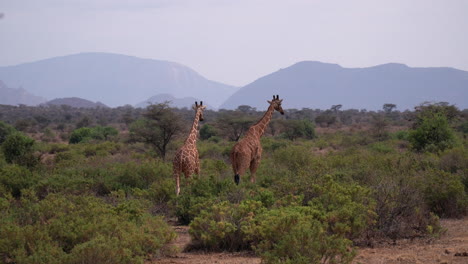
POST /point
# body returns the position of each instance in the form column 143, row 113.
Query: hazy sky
column 238, row 41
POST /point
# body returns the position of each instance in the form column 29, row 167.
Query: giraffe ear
column 269, row 101
column 281, row 101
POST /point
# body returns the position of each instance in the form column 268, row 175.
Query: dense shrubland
column 328, row 181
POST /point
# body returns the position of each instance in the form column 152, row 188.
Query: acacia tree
column 234, row 124
column 157, row 128
column 388, row 108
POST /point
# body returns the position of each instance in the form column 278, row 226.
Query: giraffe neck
column 192, row 138
column 261, row 125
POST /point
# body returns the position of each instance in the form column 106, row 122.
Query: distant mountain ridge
column 75, row 102
column 320, row 85
column 173, row 101
column 17, row 96
column 112, row 79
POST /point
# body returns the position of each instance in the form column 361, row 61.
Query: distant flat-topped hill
column 321, row 85
column 17, row 96
column 75, row 102
column 112, row 79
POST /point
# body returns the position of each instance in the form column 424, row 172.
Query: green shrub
column 295, row 235
column 433, row 134
column 288, row 233
column 299, row 129
column 5, row 131
column 445, row 194
column 463, row 127
column 207, row 131
column 219, row 227
column 401, row 209
column 18, row 148
column 381, row 147
column 401, row 135
column 80, row 135
column 14, row 178
column 195, row 195
column 85, row 134
column 81, row 229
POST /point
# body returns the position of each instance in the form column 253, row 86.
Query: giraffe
column 186, row 159
column 248, row 151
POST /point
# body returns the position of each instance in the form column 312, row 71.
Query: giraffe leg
column 177, row 179
column 253, row 169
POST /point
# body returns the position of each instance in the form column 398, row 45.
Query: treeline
column 229, row 123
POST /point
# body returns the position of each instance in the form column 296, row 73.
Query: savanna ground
column 96, row 186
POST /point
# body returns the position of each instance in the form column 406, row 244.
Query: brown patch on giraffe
column 186, row 160
column 247, row 153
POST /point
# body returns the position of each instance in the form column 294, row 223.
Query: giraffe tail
column 237, row 179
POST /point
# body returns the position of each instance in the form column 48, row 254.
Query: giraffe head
column 199, row 108
column 276, row 103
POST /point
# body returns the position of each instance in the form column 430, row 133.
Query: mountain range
column 320, row 85
column 173, row 101
column 17, row 96
column 116, row 80
column 112, row 79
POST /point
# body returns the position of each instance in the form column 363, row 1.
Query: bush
column 207, row 131
column 80, row 229
column 433, row 134
column 85, row 134
column 219, row 227
column 401, row 135
column 445, row 194
column 18, row 149
column 5, row 131
column 463, row 127
column 320, row 231
column 80, row 135
column 199, row 194
column 15, row 178
column 299, row 129
column 295, row 235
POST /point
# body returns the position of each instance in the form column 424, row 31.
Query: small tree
column 207, row 131
column 158, row 127
column 379, row 127
column 432, row 133
column 234, row 125
column 80, row 135
column 18, row 148
column 5, row 131
column 299, row 129
column 388, row 108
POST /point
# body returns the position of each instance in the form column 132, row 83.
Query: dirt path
column 423, row 251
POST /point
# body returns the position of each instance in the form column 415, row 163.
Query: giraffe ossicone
column 186, row 160
column 247, row 153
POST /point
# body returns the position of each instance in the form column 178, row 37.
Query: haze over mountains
column 16, row 96
column 173, row 101
column 321, row 85
column 112, row 79
column 117, row 80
